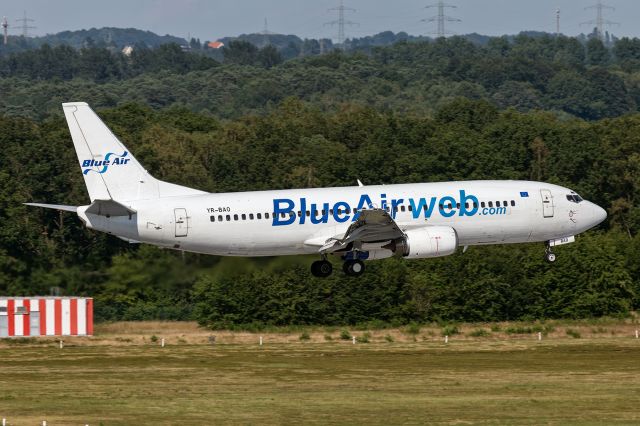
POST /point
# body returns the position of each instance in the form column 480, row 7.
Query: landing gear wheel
column 353, row 268
column 321, row 268
column 550, row 257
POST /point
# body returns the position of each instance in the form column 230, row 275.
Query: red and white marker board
column 46, row 316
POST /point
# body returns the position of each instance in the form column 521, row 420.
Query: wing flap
column 371, row 226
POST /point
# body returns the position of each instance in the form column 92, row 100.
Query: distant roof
column 215, row 44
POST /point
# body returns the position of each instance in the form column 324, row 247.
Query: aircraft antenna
column 441, row 18
column 341, row 22
column 25, row 24
column 600, row 22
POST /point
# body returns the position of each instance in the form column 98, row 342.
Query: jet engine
column 425, row 242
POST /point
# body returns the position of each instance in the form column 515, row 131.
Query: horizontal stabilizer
column 109, row 208
column 62, row 207
column 129, row 240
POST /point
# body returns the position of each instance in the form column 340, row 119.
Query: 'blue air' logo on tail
column 119, row 160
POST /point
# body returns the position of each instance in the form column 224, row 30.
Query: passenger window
column 213, row 218
column 266, row 215
column 410, row 208
column 331, row 212
column 259, row 215
column 292, row 214
column 220, row 218
column 504, row 203
column 283, row 215
column 307, row 213
column 482, row 204
column 497, row 203
column 402, row 208
column 450, row 206
column 441, row 206
column 250, row 216
column 466, row 205
column 513, row 203
column 324, row 212
column 490, row 203
column 458, row 206
column 228, row 218
column 244, row 216
column 235, row 217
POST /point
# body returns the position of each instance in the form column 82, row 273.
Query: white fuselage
column 243, row 223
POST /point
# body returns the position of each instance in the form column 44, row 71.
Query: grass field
column 121, row 377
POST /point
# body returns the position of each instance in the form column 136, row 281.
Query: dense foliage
column 448, row 110
column 585, row 80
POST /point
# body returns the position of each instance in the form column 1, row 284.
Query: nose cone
column 598, row 214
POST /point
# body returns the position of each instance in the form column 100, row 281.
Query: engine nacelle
column 425, row 242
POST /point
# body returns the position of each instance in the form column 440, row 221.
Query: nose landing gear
column 549, row 255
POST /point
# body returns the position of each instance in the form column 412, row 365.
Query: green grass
column 515, row 382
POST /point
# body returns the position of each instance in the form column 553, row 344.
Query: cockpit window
column 574, row 198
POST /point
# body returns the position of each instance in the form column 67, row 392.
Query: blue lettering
column 364, row 203
column 444, row 204
column 303, row 210
column 338, row 209
column 422, row 206
column 314, row 213
column 86, row 163
column 473, row 202
column 383, row 201
column 394, row 206
column 288, row 210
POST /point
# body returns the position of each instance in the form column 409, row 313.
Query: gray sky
column 212, row 19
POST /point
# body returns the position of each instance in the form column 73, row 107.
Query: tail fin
column 110, row 171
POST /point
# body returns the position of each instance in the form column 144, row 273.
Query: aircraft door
column 182, row 222
column 547, row 203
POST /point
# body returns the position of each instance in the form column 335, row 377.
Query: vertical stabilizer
column 110, row 171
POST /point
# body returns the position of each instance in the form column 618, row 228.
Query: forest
column 552, row 109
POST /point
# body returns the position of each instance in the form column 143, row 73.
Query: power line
column 25, row 24
column 600, row 22
column 557, row 22
column 341, row 22
column 441, row 18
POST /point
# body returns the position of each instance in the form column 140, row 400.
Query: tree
column 240, row 52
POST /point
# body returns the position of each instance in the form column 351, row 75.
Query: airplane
column 355, row 224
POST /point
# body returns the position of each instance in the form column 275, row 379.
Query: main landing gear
column 549, row 255
column 353, row 268
column 323, row 268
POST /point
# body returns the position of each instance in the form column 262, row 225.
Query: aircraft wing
column 371, row 226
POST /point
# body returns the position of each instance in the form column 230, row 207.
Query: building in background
column 46, row 316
